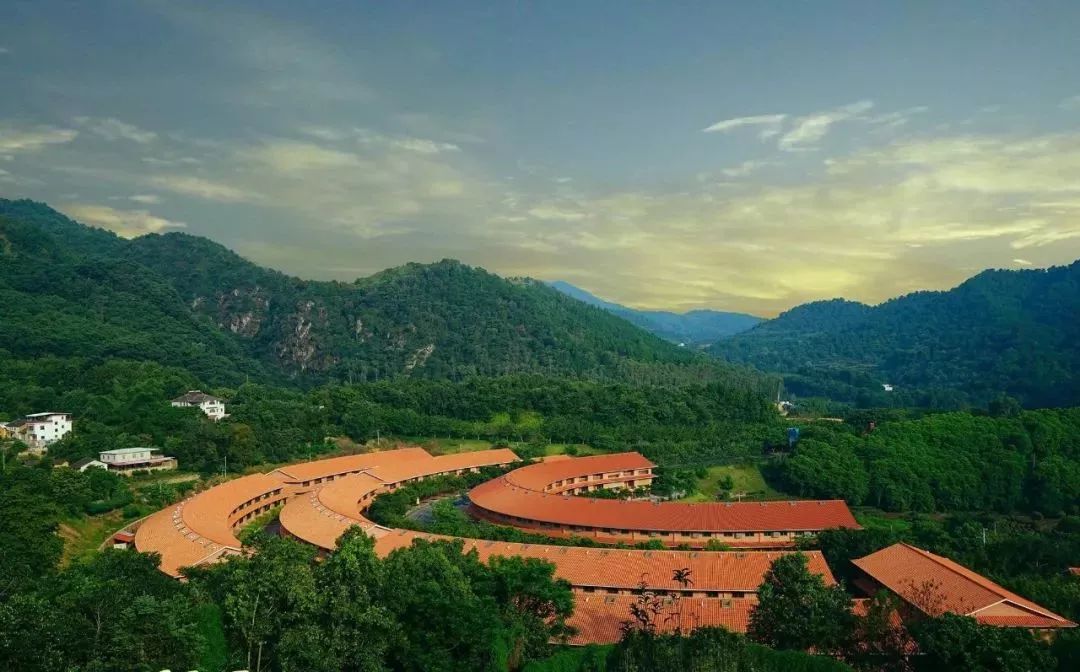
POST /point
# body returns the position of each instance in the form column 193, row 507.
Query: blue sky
column 745, row 156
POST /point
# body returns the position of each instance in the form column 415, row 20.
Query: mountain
column 1002, row 331
column 183, row 300
column 693, row 328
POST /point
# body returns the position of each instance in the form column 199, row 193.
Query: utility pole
column 226, row 465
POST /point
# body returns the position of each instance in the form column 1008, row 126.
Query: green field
column 747, row 480
column 83, row 535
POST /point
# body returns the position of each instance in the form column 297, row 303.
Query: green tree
column 29, row 546
column 352, row 631
column 951, row 642
column 796, row 610
column 447, row 625
column 535, row 605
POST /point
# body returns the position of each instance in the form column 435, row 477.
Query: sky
column 735, row 156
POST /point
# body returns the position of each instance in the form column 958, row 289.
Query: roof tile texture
column 933, row 583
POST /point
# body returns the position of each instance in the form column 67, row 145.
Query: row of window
column 251, row 501
column 652, row 533
column 610, row 590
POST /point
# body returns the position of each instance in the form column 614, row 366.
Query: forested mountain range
column 693, row 328
column 182, row 300
column 1016, row 332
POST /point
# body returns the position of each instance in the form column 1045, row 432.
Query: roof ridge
column 983, row 582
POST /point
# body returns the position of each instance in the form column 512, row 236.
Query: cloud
column 745, row 168
column 202, row 188
column 113, row 129
column 292, row 157
column 126, row 223
column 898, row 118
column 553, row 213
column 148, row 199
column 769, row 124
column 31, row 139
column 4, row 50
column 808, row 130
column 1022, row 262
column 876, row 223
column 1071, row 103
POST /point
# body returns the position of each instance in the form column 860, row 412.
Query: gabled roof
column 719, row 571
column 46, row 414
column 537, row 476
column 335, row 466
column 934, row 585
column 199, row 529
column 501, row 496
column 79, row 464
column 195, row 397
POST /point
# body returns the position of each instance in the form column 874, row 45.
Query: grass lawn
column 443, row 446
column 83, row 534
column 747, row 479
column 560, row 449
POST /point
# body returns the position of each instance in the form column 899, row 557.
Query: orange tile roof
column 536, row 476
column 344, row 494
column 402, row 470
column 503, row 496
column 599, row 618
column 323, row 515
column 333, row 466
column 199, row 529
column 935, row 584
column 307, row 518
column 726, row 571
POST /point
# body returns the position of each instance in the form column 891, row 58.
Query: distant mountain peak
column 187, row 301
column 694, row 328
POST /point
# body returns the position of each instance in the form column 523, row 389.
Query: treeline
column 1001, row 331
column 186, row 301
column 1019, row 461
column 119, row 403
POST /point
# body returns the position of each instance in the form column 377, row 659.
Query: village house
column 126, row 461
column 38, row 430
column 213, row 407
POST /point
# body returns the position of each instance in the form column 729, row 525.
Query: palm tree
column 682, row 577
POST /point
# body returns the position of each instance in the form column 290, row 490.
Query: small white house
column 38, row 430
column 127, row 460
column 213, row 407
column 887, row 387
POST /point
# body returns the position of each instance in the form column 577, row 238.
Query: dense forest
column 186, row 301
column 121, row 403
column 1000, row 331
column 1013, row 461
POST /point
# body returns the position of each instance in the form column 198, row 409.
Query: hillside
column 60, row 304
column 692, row 328
column 187, row 301
column 1001, row 331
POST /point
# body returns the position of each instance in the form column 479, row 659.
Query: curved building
column 540, row 498
column 323, row 499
